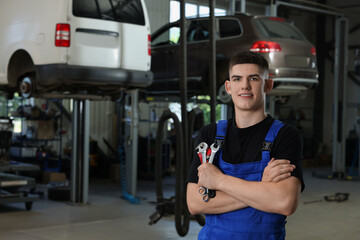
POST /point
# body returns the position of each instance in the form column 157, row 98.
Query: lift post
column 340, row 77
column 80, row 151
column 131, row 141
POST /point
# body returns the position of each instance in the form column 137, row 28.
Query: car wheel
column 27, row 86
column 223, row 95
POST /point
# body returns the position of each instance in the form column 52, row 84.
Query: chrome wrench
column 202, row 148
column 214, row 148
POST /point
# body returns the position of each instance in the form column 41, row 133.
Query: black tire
column 28, row 206
column 60, row 193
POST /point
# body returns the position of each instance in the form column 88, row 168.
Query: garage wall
column 102, row 123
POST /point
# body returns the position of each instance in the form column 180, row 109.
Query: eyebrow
column 252, row 75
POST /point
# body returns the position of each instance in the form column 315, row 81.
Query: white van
column 69, row 46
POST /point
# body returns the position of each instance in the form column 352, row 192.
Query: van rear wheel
column 27, row 86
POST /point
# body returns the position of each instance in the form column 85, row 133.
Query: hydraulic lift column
column 80, row 151
column 340, row 77
column 131, row 142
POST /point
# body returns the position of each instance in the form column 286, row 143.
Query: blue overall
column 246, row 223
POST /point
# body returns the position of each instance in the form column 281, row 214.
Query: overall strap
column 220, row 132
column 269, row 139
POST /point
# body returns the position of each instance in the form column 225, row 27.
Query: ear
column 269, row 83
column 228, row 87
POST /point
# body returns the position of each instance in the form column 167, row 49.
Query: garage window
column 229, row 28
column 126, row 11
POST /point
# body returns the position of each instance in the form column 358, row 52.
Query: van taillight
column 265, row 46
column 313, row 51
column 149, row 45
column 62, row 35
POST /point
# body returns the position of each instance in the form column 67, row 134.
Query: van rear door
column 109, row 33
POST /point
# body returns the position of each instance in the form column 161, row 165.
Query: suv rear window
column 126, row 11
column 277, row 29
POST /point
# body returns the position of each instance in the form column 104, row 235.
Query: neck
column 246, row 119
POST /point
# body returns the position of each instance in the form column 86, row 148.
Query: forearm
column 222, row 203
column 281, row 197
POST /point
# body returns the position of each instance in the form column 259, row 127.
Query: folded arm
column 220, row 204
column 275, row 197
column 276, row 171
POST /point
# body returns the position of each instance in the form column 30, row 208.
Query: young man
column 257, row 174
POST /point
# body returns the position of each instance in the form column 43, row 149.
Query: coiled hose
column 196, row 121
column 182, row 215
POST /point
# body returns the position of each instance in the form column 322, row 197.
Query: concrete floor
column 110, row 217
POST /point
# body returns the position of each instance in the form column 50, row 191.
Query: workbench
column 13, row 187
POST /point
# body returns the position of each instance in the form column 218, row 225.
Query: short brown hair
column 252, row 58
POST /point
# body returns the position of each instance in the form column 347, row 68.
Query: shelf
column 15, row 185
column 37, row 140
column 12, row 180
column 44, row 129
column 18, row 197
column 15, row 166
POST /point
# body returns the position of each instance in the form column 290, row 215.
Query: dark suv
column 291, row 56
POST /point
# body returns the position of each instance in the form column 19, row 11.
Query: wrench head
column 214, row 147
column 202, row 147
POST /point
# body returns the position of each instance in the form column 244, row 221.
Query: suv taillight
column 149, row 45
column 277, row 19
column 62, row 35
column 313, row 51
column 265, row 46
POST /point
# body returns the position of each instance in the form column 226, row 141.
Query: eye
column 254, row 78
column 236, row 79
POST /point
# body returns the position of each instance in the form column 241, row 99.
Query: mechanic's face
column 248, row 87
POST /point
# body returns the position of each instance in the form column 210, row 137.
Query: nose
column 245, row 84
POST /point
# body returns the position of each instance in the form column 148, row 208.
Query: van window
column 126, row 11
column 229, row 28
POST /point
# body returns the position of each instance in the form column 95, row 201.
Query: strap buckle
column 219, row 142
column 267, row 146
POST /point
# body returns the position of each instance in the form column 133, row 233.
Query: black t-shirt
column 244, row 145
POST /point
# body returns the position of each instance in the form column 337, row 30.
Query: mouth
column 246, row 95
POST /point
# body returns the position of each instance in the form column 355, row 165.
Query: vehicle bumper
column 63, row 74
column 291, row 86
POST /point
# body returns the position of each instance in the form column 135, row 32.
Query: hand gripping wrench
column 209, row 192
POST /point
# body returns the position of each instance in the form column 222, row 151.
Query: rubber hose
column 182, row 216
column 196, row 114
